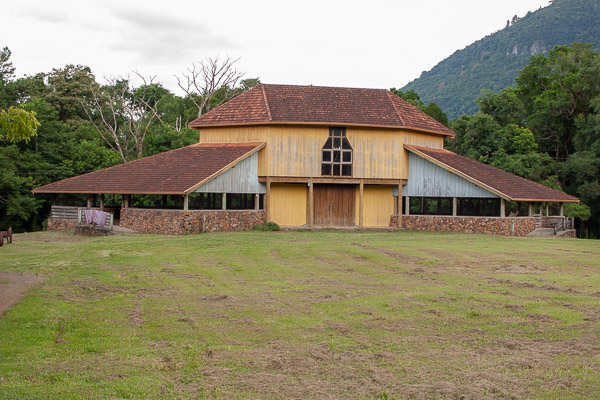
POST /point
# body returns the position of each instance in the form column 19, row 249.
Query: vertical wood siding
column 287, row 204
column 378, row 205
column 242, row 178
column 334, row 205
column 296, row 150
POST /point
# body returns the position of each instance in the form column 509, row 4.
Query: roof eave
column 338, row 123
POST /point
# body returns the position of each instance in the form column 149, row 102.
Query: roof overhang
column 324, row 124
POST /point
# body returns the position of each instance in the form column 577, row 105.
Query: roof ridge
column 395, row 108
column 262, row 88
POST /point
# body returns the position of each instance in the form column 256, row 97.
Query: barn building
column 309, row 156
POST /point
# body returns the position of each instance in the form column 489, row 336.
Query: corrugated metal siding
column 296, row 150
column 287, row 204
column 426, row 179
column 242, row 178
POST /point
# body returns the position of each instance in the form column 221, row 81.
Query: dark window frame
column 335, row 154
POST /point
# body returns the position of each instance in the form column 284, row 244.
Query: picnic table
column 6, row 235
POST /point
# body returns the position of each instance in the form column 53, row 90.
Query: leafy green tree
column 17, row 125
column 556, row 89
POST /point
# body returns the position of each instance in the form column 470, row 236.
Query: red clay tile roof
column 290, row 104
column 504, row 184
column 173, row 172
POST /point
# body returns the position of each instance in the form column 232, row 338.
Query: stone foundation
column 61, row 224
column 87, row 230
column 179, row 222
column 569, row 233
column 510, row 226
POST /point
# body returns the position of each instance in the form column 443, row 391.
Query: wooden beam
column 530, row 209
column 406, row 205
column 89, row 201
column 185, row 202
column 102, row 202
column 361, row 204
column 454, row 206
column 502, row 208
column 224, row 201
column 311, row 203
column 257, row 201
column 562, row 209
column 399, row 204
column 339, row 180
column 547, row 209
column 268, row 201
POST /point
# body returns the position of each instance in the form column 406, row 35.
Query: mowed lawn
column 322, row 315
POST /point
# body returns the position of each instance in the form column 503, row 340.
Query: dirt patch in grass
column 13, row 287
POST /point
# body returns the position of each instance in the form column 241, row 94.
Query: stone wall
column 61, row 224
column 510, row 226
column 179, row 222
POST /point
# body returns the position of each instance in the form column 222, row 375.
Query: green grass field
column 323, row 315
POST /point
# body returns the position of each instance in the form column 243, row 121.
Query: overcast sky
column 371, row 44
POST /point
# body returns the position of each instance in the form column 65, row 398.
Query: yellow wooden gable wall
column 295, row 151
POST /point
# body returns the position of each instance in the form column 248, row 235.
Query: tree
column 556, row 89
column 16, row 125
column 204, row 79
column 123, row 114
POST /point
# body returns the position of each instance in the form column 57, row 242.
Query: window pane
column 347, row 156
column 346, row 170
column 326, row 156
column 337, row 142
column 336, row 169
column 346, row 144
column 326, row 169
column 328, row 144
column 336, row 156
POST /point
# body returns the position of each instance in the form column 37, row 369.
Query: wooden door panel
column 334, row 205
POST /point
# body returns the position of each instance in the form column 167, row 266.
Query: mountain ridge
column 494, row 61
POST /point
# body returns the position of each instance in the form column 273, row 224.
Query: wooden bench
column 6, row 234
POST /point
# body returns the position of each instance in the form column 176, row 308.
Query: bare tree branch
column 122, row 114
column 202, row 80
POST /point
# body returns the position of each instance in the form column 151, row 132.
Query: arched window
column 337, row 154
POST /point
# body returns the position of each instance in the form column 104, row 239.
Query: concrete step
column 543, row 232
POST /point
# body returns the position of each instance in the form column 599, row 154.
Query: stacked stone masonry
column 179, row 222
column 518, row 226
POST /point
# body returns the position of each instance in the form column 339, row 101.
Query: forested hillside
column 494, row 62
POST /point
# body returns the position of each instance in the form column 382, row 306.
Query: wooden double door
column 334, row 205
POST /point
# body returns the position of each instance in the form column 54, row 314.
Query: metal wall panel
column 242, row 178
column 426, row 179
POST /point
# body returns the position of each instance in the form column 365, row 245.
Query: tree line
column 63, row 123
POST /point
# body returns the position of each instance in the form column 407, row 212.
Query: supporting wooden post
column 530, row 209
column 257, row 201
column 406, row 205
column 89, row 201
column 562, row 209
column 399, row 204
column 311, row 203
column 268, row 201
column 547, row 209
column 186, row 199
column 224, row 201
column 361, row 203
column 102, row 202
column 454, row 206
column 502, row 208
